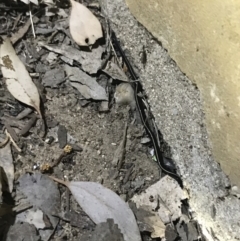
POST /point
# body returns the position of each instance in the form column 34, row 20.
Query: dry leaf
column 100, row 204
column 21, row 232
column 48, row 2
column 168, row 193
column 32, row 216
column 18, row 80
column 115, row 72
column 156, row 223
column 90, row 60
column 28, row 1
column 43, row 194
column 85, row 84
column 6, row 162
column 84, row 27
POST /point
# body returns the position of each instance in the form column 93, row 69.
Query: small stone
column 49, row 140
column 62, row 136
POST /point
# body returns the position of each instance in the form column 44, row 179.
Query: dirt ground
column 95, row 134
column 99, row 134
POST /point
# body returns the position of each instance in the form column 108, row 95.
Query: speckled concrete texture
column 176, row 105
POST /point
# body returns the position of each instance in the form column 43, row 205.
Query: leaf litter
column 85, row 28
column 6, row 162
column 85, row 84
column 18, row 80
column 40, row 191
column 101, row 204
column 90, row 60
column 94, row 115
column 115, row 72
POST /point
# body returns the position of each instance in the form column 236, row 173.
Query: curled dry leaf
column 18, row 80
column 84, row 27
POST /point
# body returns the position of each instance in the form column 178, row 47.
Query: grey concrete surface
column 176, row 105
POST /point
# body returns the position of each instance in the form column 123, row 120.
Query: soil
column 97, row 134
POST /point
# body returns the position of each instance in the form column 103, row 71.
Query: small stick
column 22, row 31
column 5, row 141
column 12, row 121
column 12, row 132
column 59, row 181
column 114, row 52
column 13, row 142
column 31, row 20
column 22, row 207
column 128, row 174
column 16, row 21
column 121, row 149
column 18, row 35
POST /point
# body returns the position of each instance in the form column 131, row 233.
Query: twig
column 22, row 31
column 12, row 121
column 22, row 207
column 59, row 181
column 160, row 200
column 52, row 36
column 5, row 141
column 12, row 132
column 30, row 13
column 13, row 142
column 16, row 21
column 115, row 53
column 120, row 152
column 128, row 174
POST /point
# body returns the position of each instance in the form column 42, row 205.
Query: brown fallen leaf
column 84, row 27
column 18, row 80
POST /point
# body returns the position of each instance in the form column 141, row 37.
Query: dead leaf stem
column 59, row 181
